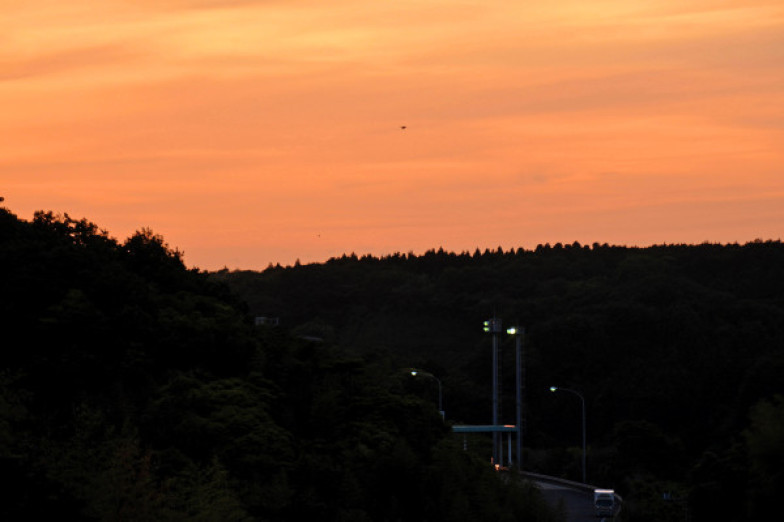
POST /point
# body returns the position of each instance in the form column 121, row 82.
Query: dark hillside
column 135, row 389
column 672, row 346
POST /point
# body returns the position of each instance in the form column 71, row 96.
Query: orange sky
column 250, row 132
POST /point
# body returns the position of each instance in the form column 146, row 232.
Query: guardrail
column 557, row 480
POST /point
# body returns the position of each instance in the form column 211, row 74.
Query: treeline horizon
column 478, row 253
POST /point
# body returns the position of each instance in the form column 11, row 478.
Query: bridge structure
column 497, row 431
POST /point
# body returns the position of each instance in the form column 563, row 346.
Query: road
column 575, row 503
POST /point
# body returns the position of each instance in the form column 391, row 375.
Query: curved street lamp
column 414, row 372
column 582, row 400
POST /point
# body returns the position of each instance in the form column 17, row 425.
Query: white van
column 604, row 502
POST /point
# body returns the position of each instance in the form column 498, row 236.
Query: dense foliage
column 133, row 388
column 677, row 349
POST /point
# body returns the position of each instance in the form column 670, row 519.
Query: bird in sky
column 403, row 127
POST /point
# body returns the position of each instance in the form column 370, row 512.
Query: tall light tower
column 519, row 332
column 493, row 326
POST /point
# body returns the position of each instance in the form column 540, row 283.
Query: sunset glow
column 250, row 132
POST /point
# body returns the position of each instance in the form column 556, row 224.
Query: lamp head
column 553, row 388
column 492, row 326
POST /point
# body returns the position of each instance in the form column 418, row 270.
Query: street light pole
column 582, row 400
column 414, row 372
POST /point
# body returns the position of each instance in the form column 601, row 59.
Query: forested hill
column 135, row 389
column 676, row 348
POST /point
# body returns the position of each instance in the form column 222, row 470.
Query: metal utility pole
column 496, row 456
column 493, row 326
column 519, row 332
